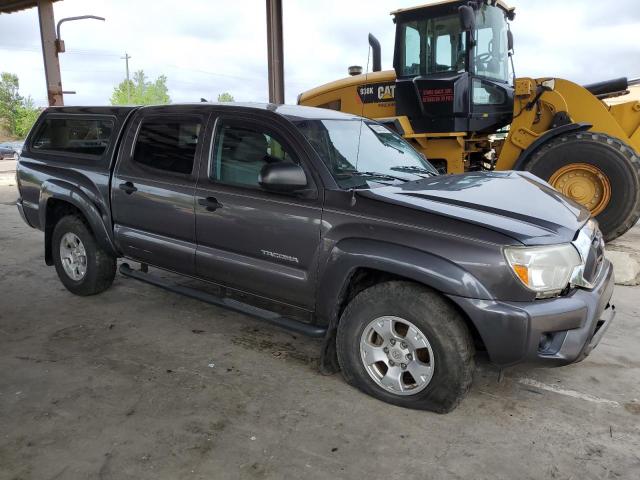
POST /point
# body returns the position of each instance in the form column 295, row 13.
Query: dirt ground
column 141, row 383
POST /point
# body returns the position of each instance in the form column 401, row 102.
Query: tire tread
column 100, row 274
column 600, row 138
column 440, row 398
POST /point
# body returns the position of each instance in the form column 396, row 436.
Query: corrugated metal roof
column 11, row 6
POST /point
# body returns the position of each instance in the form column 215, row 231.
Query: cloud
column 207, row 47
column 583, row 41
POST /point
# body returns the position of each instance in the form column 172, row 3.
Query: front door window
column 242, row 152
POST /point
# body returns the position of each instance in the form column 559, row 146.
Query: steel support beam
column 49, row 52
column 274, row 51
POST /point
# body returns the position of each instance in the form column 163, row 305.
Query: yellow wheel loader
column 451, row 95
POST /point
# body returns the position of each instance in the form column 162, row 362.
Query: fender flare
column 65, row 191
column 422, row 267
column 545, row 137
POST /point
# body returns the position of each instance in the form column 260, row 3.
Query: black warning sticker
column 377, row 92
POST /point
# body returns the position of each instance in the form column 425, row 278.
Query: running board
column 228, row 303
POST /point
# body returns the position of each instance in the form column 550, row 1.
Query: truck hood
column 516, row 204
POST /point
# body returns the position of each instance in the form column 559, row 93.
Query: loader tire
column 599, row 171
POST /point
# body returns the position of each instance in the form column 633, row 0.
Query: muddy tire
column 597, row 170
column 83, row 267
column 407, row 345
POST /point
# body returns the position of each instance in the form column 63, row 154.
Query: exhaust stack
column 375, row 50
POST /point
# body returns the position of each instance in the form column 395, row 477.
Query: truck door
column 249, row 239
column 152, row 190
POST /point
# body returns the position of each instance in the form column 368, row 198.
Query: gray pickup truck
column 326, row 224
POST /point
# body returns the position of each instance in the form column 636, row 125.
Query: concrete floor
column 141, row 383
column 7, row 167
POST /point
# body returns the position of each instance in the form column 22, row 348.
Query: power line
column 87, row 52
column 100, row 53
column 106, row 54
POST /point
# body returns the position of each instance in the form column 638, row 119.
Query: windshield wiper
column 390, row 145
column 380, row 175
column 414, row 169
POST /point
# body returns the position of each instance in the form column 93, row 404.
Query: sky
column 208, row 47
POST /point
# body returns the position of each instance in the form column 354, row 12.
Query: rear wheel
column 83, row 266
column 596, row 170
column 405, row 344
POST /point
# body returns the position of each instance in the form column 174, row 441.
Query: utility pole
column 126, row 59
column 274, row 51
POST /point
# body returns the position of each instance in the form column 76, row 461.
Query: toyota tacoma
column 326, row 224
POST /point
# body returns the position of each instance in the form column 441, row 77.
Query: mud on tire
column 437, row 320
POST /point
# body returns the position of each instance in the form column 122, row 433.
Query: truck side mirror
column 509, row 41
column 283, row 177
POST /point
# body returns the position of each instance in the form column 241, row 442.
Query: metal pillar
column 49, row 52
column 274, row 51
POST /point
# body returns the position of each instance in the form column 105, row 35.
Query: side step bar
column 229, row 303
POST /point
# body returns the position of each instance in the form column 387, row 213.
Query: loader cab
column 452, row 66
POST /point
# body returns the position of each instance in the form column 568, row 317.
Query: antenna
column 366, row 77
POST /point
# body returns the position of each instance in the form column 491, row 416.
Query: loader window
column 490, row 57
column 411, row 62
column 432, row 45
column 486, row 93
column 443, row 52
column 437, row 44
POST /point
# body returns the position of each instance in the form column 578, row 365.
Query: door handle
column 210, row 203
column 128, row 187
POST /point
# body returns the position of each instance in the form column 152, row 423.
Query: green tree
column 17, row 113
column 10, row 99
column 27, row 115
column 140, row 91
column 225, row 97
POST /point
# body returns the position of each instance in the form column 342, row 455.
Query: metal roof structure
column 52, row 45
column 12, row 6
column 48, row 40
column 499, row 3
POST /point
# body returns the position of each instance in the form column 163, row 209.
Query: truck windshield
column 490, row 57
column 380, row 156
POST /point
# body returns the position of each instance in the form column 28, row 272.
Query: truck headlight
column 546, row 269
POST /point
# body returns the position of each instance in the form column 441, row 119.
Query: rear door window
column 74, row 135
column 168, row 144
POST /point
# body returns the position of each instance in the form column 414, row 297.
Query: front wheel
column 406, row 345
column 83, row 266
column 596, row 170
